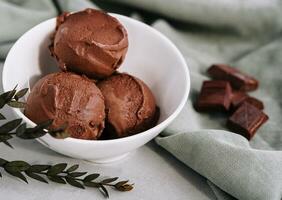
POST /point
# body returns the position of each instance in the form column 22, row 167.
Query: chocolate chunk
column 239, row 97
column 214, row 96
column 255, row 102
column 246, row 120
column 237, row 79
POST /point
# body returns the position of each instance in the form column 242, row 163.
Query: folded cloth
column 227, row 160
column 244, row 33
column 18, row 16
column 245, row 16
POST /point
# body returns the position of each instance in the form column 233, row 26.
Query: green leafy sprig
column 19, row 129
column 61, row 173
column 11, row 98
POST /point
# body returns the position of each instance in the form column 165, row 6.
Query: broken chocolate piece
column 214, row 96
column 237, row 79
column 246, row 120
column 239, row 97
column 255, row 102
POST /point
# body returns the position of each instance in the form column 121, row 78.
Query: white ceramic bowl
column 151, row 57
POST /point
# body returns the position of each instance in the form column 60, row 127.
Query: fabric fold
column 235, row 15
column 227, row 160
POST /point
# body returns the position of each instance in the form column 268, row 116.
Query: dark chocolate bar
column 237, row 79
column 246, row 120
column 214, row 96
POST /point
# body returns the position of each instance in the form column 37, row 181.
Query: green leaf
column 56, row 169
column 8, row 144
column 17, row 174
column 124, row 187
column 11, row 94
column 74, row 183
column 109, row 180
column 36, row 177
column 57, row 179
column 2, row 103
column 59, row 135
column 21, row 93
column 44, row 125
column 2, row 162
column 6, row 97
column 2, row 116
column 9, row 126
column 73, row 168
column 92, row 184
column 118, row 184
column 21, row 129
column 16, row 104
column 2, row 100
column 38, row 168
column 105, row 191
column 90, row 177
column 17, row 166
column 60, row 132
column 5, row 137
column 32, row 134
column 77, row 174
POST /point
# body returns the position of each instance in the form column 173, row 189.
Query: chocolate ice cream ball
column 130, row 105
column 69, row 99
column 89, row 42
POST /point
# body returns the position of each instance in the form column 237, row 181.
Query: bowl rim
column 159, row 126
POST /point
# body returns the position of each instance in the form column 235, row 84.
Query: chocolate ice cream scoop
column 89, row 42
column 69, row 99
column 130, row 105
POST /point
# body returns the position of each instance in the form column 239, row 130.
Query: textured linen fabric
column 244, row 33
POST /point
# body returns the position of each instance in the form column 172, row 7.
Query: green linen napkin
column 245, row 33
column 18, row 16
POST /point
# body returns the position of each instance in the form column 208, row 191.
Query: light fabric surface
column 245, row 33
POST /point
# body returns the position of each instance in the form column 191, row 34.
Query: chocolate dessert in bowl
column 116, row 82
